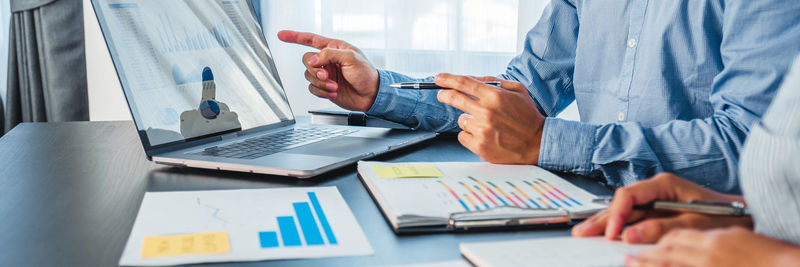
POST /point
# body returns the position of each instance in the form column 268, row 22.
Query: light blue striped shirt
column 661, row 85
column 770, row 167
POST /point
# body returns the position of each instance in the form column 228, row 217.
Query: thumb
column 505, row 84
column 329, row 56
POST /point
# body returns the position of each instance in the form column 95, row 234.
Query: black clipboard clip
column 509, row 216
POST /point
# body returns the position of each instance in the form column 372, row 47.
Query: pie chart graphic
column 209, row 109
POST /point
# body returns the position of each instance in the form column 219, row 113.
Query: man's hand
column 502, row 125
column 651, row 225
column 730, row 247
column 339, row 71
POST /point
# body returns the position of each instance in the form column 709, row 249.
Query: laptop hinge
column 229, row 136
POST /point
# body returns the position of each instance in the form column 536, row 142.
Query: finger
column 329, row 56
column 487, row 78
column 671, row 255
column 468, row 141
column 311, row 58
column 463, row 84
column 651, row 230
column 463, row 120
column 327, row 85
column 593, row 226
column 513, row 86
column 684, row 237
column 460, row 101
column 310, row 39
column 321, row 93
column 621, row 209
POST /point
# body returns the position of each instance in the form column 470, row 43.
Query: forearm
column 418, row 109
column 702, row 151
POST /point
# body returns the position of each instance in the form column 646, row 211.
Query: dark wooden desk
column 69, row 194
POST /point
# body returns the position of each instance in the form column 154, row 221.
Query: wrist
column 537, row 142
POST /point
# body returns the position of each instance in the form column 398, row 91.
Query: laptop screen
column 192, row 69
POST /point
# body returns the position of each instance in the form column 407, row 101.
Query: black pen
column 432, row 86
column 722, row 208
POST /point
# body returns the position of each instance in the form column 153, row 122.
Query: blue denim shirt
column 661, row 85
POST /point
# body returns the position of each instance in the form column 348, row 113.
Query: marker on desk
column 432, row 86
column 734, row 208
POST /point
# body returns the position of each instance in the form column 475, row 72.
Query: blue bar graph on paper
column 289, row 232
column 268, row 239
column 308, row 224
column 323, row 220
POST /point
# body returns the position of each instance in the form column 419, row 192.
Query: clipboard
column 410, row 205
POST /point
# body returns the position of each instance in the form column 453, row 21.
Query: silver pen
column 432, row 86
column 722, row 208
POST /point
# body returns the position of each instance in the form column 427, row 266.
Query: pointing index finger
column 310, row 39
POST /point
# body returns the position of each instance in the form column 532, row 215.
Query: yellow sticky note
column 407, row 171
column 187, row 244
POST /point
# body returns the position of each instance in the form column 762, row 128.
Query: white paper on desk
column 243, row 214
column 553, row 252
column 473, row 186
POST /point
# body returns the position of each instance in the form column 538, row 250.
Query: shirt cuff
column 567, row 146
column 389, row 102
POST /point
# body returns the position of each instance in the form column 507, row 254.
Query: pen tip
column 394, row 85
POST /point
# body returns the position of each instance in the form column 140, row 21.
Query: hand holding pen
column 635, row 206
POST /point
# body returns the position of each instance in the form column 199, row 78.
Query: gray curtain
column 46, row 63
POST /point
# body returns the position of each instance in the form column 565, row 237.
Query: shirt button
column 632, row 43
column 621, row 116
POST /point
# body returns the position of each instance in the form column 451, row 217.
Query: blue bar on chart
column 289, row 232
column 308, row 224
column 322, row 218
column 268, row 239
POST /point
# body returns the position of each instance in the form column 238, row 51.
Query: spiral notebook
column 454, row 196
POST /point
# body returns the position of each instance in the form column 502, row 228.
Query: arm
column 770, row 174
column 544, row 67
column 759, row 40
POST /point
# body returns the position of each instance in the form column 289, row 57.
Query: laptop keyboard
column 260, row 146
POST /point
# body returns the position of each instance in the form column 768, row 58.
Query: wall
column 5, row 16
column 106, row 100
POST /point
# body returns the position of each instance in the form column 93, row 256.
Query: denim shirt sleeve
column 419, row 109
column 756, row 50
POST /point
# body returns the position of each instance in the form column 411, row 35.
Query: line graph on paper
column 214, row 212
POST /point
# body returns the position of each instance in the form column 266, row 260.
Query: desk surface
column 69, row 194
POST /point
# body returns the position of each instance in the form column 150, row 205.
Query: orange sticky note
column 407, row 171
column 186, row 244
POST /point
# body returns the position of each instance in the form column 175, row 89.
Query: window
column 418, row 38
column 424, row 37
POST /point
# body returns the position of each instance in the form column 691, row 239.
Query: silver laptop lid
column 192, row 70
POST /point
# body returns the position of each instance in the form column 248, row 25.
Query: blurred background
column 415, row 37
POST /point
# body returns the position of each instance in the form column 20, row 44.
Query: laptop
column 204, row 92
